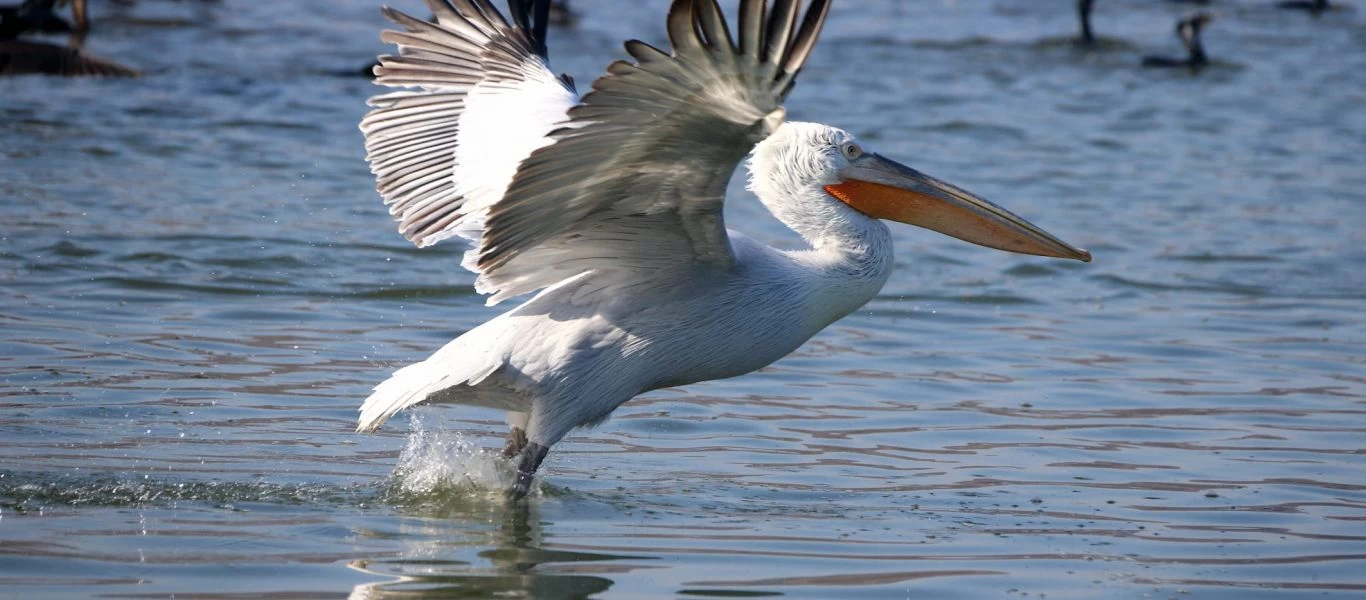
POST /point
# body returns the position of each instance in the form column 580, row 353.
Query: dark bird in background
column 38, row 16
column 1188, row 30
column 561, row 15
column 22, row 57
column 1309, row 5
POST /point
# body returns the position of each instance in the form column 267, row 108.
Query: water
column 198, row 286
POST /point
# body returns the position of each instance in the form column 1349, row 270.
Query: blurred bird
column 561, row 15
column 1309, row 5
column 610, row 204
column 1188, row 30
column 38, row 16
column 20, row 57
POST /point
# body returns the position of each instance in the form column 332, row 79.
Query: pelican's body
column 693, row 325
column 610, row 205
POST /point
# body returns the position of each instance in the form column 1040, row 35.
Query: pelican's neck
column 848, row 255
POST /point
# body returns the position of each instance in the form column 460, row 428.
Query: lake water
column 199, row 285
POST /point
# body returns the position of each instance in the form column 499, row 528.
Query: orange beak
column 885, row 189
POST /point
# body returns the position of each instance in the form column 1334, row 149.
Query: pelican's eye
column 851, row 150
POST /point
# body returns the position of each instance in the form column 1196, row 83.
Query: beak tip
column 1083, row 255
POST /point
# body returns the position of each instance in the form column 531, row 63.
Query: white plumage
column 610, row 205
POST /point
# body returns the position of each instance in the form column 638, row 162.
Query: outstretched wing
column 443, row 153
column 634, row 182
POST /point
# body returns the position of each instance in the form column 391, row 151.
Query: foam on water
column 440, row 463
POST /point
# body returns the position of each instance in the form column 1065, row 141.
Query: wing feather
column 428, row 146
column 628, row 182
column 652, row 146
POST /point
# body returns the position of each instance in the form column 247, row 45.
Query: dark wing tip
column 803, row 43
column 533, row 17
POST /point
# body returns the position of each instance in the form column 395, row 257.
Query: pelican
column 609, row 207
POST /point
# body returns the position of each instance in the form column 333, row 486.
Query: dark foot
column 516, row 441
column 531, row 459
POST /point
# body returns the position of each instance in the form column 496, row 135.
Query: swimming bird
column 21, row 57
column 1188, row 30
column 39, row 16
column 609, row 207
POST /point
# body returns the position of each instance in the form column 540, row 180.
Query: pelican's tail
column 463, row 362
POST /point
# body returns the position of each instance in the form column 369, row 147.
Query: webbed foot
column 531, row 457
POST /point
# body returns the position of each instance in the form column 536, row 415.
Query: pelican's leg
column 515, row 443
column 544, row 428
column 517, row 435
column 530, row 460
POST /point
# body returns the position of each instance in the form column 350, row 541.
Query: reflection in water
column 514, row 565
column 444, row 481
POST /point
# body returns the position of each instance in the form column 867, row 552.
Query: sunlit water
column 198, row 286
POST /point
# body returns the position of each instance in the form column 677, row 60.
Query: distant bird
column 1084, row 16
column 1188, row 30
column 610, row 204
column 38, row 16
column 19, row 57
column 561, row 15
column 1309, row 5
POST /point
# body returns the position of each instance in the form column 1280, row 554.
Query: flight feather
column 624, row 184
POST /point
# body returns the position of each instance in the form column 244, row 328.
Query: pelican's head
column 828, row 166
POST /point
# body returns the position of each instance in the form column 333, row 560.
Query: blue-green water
column 198, row 286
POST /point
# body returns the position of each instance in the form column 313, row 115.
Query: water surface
column 198, row 286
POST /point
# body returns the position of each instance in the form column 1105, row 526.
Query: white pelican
column 610, row 205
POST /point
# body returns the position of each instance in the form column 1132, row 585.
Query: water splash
column 438, row 464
